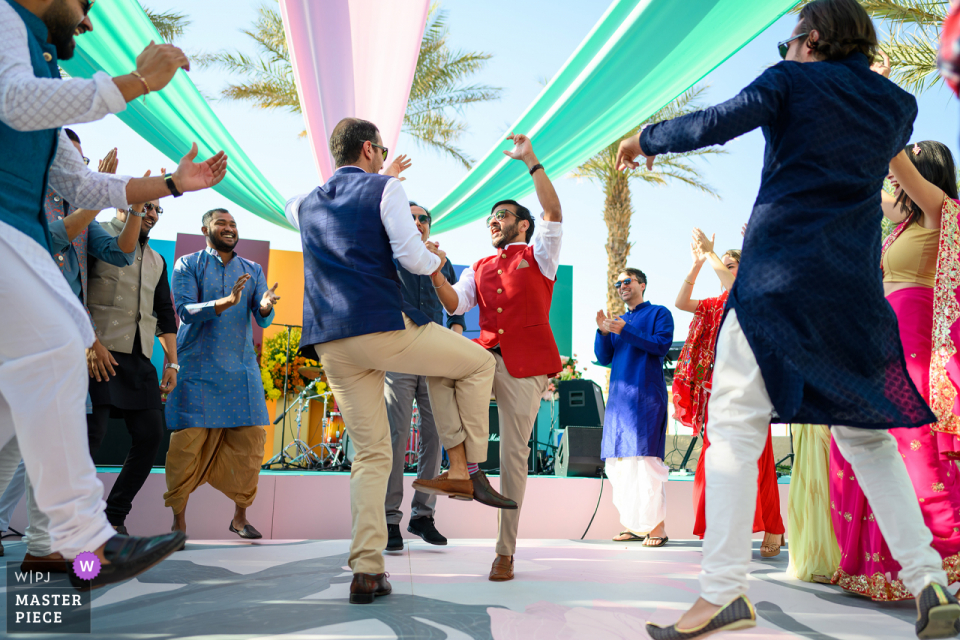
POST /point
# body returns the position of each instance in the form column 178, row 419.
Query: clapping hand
column 109, row 162
column 269, row 298
column 236, row 294
column 699, row 257
column 400, row 164
column 601, row 318
column 700, row 239
column 194, row 176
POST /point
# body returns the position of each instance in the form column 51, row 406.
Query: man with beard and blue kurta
column 218, row 408
column 634, row 430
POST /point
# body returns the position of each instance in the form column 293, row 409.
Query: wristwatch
column 173, row 366
column 139, row 214
column 168, row 178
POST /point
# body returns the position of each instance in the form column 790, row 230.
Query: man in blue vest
column 359, row 326
column 43, row 374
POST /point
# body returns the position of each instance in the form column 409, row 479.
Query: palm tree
column 438, row 94
column 617, row 208
column 170, row 24
column 912, row 40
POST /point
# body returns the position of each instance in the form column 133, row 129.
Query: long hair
column 844, row 28
column 935, row 164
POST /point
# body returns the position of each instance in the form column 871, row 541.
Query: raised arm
column 705, row 246
column 405, row 241
column 546, row 194
column 757, row 105
column 926, row 195
column 684, row 301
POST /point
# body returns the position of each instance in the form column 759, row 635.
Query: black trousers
column 146, row 429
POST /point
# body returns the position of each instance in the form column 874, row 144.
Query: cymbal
column 310, row 373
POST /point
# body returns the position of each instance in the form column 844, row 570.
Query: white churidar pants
column 43, row 391
column 740, row 412
column 639, row 491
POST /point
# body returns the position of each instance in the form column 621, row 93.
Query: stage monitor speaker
column 581, row 404
column 579, row 453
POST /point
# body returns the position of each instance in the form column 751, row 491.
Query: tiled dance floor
column 564, row 589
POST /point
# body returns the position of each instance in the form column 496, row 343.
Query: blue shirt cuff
column 264, row 321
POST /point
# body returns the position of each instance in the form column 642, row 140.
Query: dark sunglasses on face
column 620, row 283
column 152, row 207
column 422, row 219
column 500, row 215
column 86, row 160
column 784, row 46
column 384, row 150
column 86, row 4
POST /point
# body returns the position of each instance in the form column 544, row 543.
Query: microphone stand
column 281, row 455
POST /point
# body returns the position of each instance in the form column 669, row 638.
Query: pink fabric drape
column 352, row 58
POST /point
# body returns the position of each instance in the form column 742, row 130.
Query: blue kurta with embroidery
column 635, row 421
column 219, row 385
column 809, row 294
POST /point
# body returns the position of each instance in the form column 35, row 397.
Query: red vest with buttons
column 514, row 298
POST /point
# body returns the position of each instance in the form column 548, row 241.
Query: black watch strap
column 173, row 188
column 534, row 168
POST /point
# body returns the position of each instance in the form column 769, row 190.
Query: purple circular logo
column 86, row 565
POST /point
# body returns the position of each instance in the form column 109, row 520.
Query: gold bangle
column 143, row 81
column 688, row 282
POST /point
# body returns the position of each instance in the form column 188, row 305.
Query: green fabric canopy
column 171, row 119
column 641, row 55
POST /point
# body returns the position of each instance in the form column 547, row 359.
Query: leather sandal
column 770, row 550
column 628, row 536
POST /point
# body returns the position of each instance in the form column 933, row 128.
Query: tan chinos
column 459, row 376
column 518, row 401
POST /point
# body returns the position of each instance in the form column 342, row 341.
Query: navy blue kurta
column 809, row 294
column 635, row 421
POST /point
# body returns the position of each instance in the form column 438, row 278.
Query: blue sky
column 529, row 41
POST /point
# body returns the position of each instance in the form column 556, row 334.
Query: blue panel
column 166, row 249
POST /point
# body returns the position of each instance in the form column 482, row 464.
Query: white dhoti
column 639, row 491
column 43, row 391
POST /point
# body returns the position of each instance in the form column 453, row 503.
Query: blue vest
column 27, row 155
column 351, row 286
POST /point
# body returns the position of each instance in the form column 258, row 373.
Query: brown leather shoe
column 367, row 586
column 53, row 563
column 442, row 485
column 485, row 494
column 502, row 569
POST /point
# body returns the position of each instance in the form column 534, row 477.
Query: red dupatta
column 944, row 364
column 694, row 373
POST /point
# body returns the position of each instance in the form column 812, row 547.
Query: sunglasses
column 620, row 283
column 86, row 4
column 153, row 207
column 500, row 215
column 383, row 149
column 86, row 160
column 784, row 46
column 422, row 219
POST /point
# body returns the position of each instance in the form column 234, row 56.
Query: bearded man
column 217, row 410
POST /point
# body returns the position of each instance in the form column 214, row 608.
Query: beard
column 508, row 234
column 222, row 245
column 61, row 27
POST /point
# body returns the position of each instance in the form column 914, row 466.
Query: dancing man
column 356, row 322
column 514, row 289
column 401, row 390
column 42, row 348
column 635, row 424
column 824, row 354
column 217, row 410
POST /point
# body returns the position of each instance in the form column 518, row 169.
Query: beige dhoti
column 459, row 377
column 518, row 402
column 229, row 459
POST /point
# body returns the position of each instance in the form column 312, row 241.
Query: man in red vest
column 514, row 288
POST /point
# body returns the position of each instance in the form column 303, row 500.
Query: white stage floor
column 563, row 589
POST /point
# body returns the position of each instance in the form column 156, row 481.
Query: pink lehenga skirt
column 866, row 566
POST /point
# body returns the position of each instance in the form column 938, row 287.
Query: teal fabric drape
column 175, row 117
column 641, row 55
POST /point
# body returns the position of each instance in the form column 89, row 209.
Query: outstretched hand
column 400, row 164
column 269, row 298
column 883, row 65
column 522, row 147
column 628, row 151
column 194, row 176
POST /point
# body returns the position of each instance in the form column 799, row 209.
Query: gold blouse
column 913, row 256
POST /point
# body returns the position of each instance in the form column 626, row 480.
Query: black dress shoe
column 394, row 538
column 485, row 494
column 129, row 556
column 425, row 528
column 247, row 532
column 939, row 612
column 367, row 586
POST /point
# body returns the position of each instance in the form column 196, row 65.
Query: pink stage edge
column 316, row 506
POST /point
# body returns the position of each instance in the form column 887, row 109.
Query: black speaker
column 493, row 445
column 579, row 453
column 581, row 404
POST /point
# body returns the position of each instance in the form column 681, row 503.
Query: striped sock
column 472, row 468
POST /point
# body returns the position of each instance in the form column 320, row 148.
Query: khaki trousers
column 518, row 401
column 229, row 459
column 459, row 377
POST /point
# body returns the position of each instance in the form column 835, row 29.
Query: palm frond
column 913, row 61
column 918, row 12
column 170, row 24
column 439, row 132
